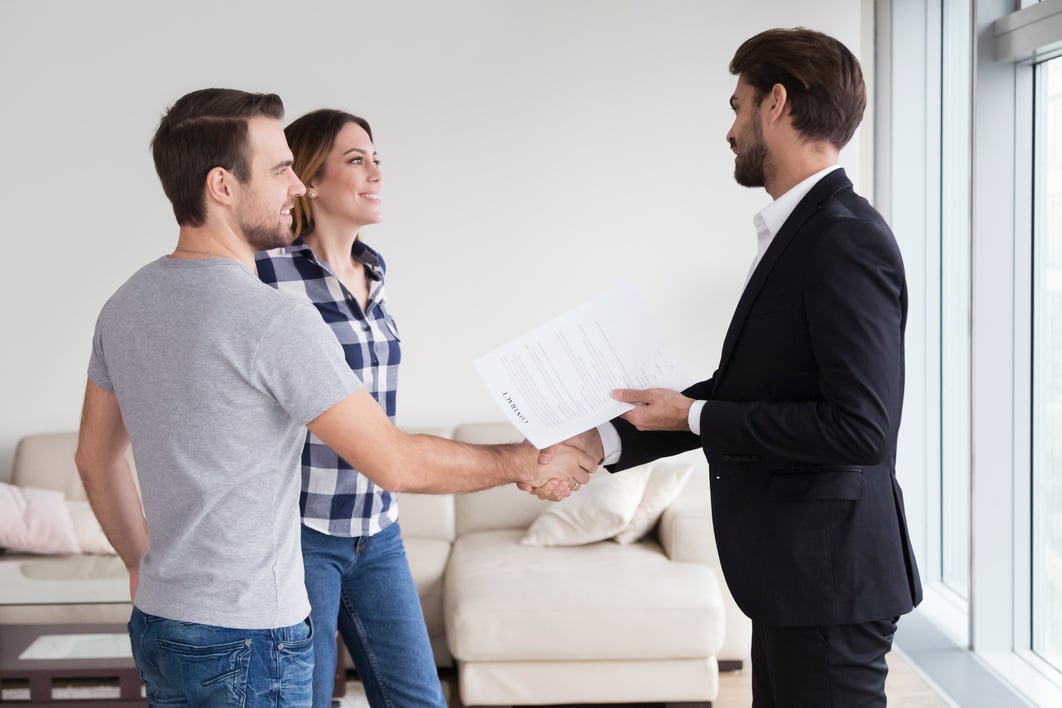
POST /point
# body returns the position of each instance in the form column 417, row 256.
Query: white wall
column 534, row 154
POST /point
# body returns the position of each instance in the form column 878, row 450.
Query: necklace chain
column 192, row 250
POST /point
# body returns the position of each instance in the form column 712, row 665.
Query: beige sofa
column 525, row 625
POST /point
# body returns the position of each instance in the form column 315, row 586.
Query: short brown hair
column 311, row 137
column 821, row 77
column 205, row 129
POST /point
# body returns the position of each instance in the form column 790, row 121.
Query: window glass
column 955, row 297
column 1047, row 365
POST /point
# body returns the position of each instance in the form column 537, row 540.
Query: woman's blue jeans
column 203, row 666
column 364, row 586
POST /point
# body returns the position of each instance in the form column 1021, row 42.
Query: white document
column 557, row 380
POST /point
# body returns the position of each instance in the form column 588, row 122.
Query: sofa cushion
column 90, row 537
column 504, row 507
column 590, row 682
column 487, row 433
column 666, row 482
column 505, row 601
column 426, row 515
column 46, row 460
column 494, row 509
column 35, row 521
column 598, row 511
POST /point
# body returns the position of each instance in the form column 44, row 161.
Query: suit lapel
column 809, row 205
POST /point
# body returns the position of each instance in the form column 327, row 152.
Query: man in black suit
column 799, row 422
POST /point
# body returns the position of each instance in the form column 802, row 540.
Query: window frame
column 995, row 626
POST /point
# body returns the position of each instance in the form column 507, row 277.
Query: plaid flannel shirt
column 336, row 499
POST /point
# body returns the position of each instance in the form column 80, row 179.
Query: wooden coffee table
column 43, row 673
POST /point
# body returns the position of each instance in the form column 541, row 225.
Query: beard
column 263, row 236
column 751, row 159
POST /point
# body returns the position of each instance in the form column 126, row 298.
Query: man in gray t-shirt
column 200, row 357
column 211, row 376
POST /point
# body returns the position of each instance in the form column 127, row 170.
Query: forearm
column 640, row 447
column 432, row 465
column 106, row 475
column 360, row 433
column 114, row 499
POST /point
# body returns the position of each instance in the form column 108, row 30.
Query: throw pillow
column 90, row 536
column 35, row 521
column 596, row 512
column 665, row 483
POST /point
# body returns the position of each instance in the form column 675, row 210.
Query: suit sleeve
column 641, row 446
column 855, row 305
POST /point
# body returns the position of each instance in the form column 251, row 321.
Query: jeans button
column 280, row 647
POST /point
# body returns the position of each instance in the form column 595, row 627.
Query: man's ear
column 219, row 185
column 777, row 102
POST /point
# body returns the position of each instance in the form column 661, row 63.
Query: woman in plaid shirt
column 357, row 575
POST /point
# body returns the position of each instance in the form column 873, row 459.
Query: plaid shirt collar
column 360, row 251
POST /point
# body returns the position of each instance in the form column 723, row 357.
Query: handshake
column 567, row 466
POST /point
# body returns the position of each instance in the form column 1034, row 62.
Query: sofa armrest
column 687, row 535
column 685, row 527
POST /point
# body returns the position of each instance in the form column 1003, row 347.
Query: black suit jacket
column 801, row 421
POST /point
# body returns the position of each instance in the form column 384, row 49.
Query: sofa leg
column 731, row 665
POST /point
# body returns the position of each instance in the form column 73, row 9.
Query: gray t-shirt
column 216, row 374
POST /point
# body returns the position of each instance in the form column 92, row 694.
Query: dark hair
column 822, row 79
column 311, row 137
column 206, row 129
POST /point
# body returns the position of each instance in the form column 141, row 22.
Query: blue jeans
column 200, row 665
column 365, row 586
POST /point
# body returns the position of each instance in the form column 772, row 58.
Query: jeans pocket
column 295, row 660
column 213, row 674
column 295, row 637
column 137, row 627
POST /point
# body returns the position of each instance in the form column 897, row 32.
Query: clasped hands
column 655, row 409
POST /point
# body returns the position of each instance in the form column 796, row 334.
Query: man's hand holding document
column 556, row 381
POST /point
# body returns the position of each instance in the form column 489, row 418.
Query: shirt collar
column 774, row 215
column 360, row 251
